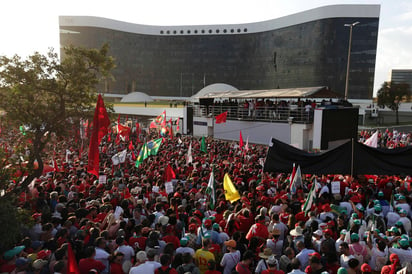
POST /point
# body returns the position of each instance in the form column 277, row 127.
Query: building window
column 245, row 29
column 225, row 30
column 161, row 32
column 238, row 30
column 181, row 32
column 210, row 31
column 174, row 32
column 217, row 31
column 188, row 32
column 195, row 30
column 232, row 30
column 203, row 31
column 168, row 32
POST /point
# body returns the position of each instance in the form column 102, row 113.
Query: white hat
column 141, row 256
column 298, row 231
column 163, row 220
column 272, row 260
column 318, row 232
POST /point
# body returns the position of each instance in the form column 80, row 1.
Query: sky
column 27, row 26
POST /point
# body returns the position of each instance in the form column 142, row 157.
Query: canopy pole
column 351, row 164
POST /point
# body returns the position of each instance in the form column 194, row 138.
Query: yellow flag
column 231, row 192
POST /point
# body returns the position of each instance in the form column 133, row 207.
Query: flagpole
column 351, row 166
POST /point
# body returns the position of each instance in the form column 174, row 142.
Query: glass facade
column 181, row 62
column 401, row 76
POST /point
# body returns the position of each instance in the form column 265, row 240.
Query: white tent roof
column 307, row 92
column 211, row 89
column 136, row 97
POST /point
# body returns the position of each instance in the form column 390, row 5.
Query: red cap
column 316, row 254
column 326, row 208
column 43, row 254
column 207, row 223
column 328, row 231
column 331, row 223
column 197, row 212
column 192, row 227
column 366, row 268
column 394, row 258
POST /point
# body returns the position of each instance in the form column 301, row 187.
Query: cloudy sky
column 27, row 26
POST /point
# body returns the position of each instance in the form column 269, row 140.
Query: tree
column 46, row 96
column 392, row 94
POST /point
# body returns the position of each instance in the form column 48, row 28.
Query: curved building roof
column 211, row 89
column 135, row 97
column 334, row 11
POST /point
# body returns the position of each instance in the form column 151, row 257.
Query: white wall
column 258, row 132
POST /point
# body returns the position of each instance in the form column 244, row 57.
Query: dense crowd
column 129, row 221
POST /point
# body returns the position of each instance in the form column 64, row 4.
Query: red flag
column 240, row 140
column 221, row 118
column 171, row 132
column 72, row 267
column 153, row 125
column 161, row 119
column 178, row 124
column 100, row 124
column 130, row 146
column 133, row 156
column 123, row 131
column 170, row 174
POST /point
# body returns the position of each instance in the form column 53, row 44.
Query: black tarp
column 350, row 158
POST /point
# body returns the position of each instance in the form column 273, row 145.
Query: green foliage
column 48, row 96
column 392, row 94
column 13, row 221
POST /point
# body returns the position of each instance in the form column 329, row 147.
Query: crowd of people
column 129, row 220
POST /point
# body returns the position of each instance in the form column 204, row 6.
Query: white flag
column 311, row 197
column 189, row 158
column 373, row 140
column 119, row 157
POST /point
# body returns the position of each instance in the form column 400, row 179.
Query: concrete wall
column 258, row 132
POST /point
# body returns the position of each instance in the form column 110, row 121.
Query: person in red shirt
column 211, row 265
column 243, row 267
column 170, row 237
column 89, row 263
column 258, row 230
column 116, row 263
column 165, row 260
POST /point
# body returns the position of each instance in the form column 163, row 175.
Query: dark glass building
column 300, row 50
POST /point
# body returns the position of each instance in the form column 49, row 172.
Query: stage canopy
column 305, row 92
column 350, row 158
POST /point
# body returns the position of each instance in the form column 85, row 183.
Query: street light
column 349, row 50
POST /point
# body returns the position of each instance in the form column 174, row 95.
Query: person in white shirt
column 345, row 255
column 341, row 239
column 405, row 220
column 404, row 253
column 230, row 259
column 127, row 250
column 184, row 248
column 142, row 267
column 102, row 255
column 303, row 255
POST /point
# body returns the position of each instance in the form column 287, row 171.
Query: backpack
column 182, row 270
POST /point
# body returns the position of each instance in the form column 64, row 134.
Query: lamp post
column 349, row 50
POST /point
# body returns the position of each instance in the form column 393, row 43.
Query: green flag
column 143, row 154
column 22, row 130
column 203, row 145
column 210, row 190
column 153, row 146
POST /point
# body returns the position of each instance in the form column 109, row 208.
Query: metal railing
column 290, row 113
